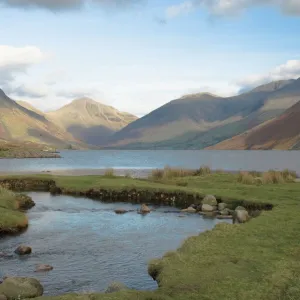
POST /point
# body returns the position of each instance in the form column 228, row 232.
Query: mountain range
column 262, row 118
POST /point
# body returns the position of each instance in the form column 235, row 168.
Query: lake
column 90, row 246
column 146, row 160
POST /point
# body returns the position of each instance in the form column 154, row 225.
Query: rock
column 199, row 207
column 222, row 206
column 43, row 268
column 210, row 200
column 240, row 208
column 224, row 212
column 116, row 287
column 145, row 209
column 3, row 297
column 21, row 288
column 225, row 217
column 23, row 250
column 208, row 208
column 241, row 216
column 121, row 211
column 189, row 210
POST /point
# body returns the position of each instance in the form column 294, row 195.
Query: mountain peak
column 203, row 95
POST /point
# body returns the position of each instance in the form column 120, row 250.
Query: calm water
column 226, row 160
column 90, row 246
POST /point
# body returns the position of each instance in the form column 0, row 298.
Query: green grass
column 11, row 220
column 258, row 260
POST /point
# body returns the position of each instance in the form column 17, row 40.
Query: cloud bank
column 231, row 7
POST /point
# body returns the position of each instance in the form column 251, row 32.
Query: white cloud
column 14, row 60
column 288, row 70
column 231, row 7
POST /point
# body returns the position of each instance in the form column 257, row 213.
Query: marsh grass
column 269, row 177
column 109, row 172
column 203, row 171
column 169, row 173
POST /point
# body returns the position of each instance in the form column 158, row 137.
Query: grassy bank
column 256, row 260
column 11, row 219
column 26, row 150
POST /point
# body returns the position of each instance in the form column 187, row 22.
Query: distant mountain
column 20, row 124
column 200, row 120
column 282, row 133
column 30, row 107
column 90, row 121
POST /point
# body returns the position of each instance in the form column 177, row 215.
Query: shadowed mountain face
column 282, row 132
column 201, row 120
column 89, row 120
column 18, row 123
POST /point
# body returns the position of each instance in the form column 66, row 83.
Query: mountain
column 282, row 133
column 90, row 121
column 30, row 107
column 19, row 124
column 200, row 120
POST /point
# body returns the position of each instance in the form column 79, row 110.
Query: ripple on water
column 90, row 246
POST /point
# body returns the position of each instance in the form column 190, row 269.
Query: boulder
column 210, row 200
column 43, row 268
column 145, row 209
column 224, row 212
column 23, row 250
column 210, row 214
column 240, row 208
column 222, row 206
column 121, row 211
column 3, row 297
column 189, row 210
column 241, row 216
column 21, row 288
column 208, row 208
column 116, row 287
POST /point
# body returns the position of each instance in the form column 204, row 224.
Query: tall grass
column 203, row 170
column 109, row 172
column 169, row 173
column 269, row 177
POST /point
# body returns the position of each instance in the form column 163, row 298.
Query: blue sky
column 141, row 56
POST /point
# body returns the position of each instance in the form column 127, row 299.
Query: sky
column 137, row 55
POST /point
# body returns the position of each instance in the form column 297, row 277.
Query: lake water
column 119, row 159
column 90, row 246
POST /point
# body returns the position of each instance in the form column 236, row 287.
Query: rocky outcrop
column 23, row 250
column 21, row 288
column 43, row 268
column 116, row 287
column 210, row 200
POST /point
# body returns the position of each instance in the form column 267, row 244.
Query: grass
column 258, row 260
column 11, row 220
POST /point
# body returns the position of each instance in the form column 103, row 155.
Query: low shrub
column 182, row 183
